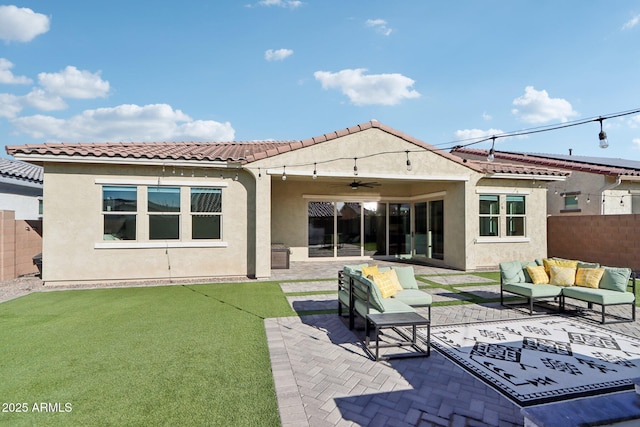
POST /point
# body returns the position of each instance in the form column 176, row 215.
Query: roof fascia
column 20, row 183
column 526, row 176
column 40, row 159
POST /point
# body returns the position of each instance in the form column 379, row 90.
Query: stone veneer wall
column 20, row 241
column 612, row 240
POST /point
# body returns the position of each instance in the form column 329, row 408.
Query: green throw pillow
column 615, row 279
column 511, row 272
column 407, row 277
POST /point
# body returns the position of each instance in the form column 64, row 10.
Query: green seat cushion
column 533, row 291
column 413, row 297
column 599, row 296
column 407, row 277
column 615, row 279
column 511, row 272
column 390, row 306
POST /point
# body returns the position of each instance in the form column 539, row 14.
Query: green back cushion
column 615, row 279
column 407, row 277
column 376, row 296
column 511, row 272
column 355, row 269
column 588, row 264
column 527, row 278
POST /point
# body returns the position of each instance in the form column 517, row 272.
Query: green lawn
column 175, row 355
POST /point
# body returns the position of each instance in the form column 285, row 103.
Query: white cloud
column 10, row 105
column 631, row 23
column 43, row 101
column 7, row 77
column 291, row 4
column 374, row 89
column 277, row 55
column 21, row 24
column 486, row 116
column 154, row 122
column 471, row 134
column 74, row 83
column 636, row 143
column 535, row 106
column 380, row 25
column 634, row 122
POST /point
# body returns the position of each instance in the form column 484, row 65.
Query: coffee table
column 395, row 321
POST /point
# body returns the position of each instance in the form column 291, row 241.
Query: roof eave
column 529, row 177
column 40, row 159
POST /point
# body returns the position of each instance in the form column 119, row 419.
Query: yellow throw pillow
column 589, row 277
column 548, row 262
column 387, row 282
column 562, row 276
column 370, row 270
column 538, row 274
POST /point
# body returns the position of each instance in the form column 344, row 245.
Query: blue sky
column 201, row 70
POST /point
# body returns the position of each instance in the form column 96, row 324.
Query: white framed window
column 119, row 212
column 502, row 216
column 489, row 215
column 206, row 213
column 163, row 209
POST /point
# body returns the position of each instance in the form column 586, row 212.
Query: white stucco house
column 21, row 189
column 177, row 210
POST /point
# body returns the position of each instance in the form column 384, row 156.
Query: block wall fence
column 20, row 241
column 612, row 240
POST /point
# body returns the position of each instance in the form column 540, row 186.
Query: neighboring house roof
column 20, row 171
column 598, row 165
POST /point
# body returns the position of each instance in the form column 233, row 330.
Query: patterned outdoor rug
column 543, row 359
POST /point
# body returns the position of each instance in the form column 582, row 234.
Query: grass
column 173, row 355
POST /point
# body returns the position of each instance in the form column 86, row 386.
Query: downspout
column 607, row 188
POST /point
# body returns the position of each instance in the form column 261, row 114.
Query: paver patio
column 324, row 377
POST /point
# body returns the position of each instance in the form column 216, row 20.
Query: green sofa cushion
column 599, row 296
column 390, row 306
column 354, row 269
column 344, row 297
column 511, row 272
column 588, row 264
column 615, row 279
column 407, row 277
column 533, row 291
column 413, row 297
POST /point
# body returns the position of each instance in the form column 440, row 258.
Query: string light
column 259, row 173
column 492, row 153
column 355, row 166
column 284, row 173
column 456, row 144
column 602, row 136
column 236, row 177
column 315, row 171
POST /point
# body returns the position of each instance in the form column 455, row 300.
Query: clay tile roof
column 20, row 171
column 509, row 168
column 598, row 165
column 244, row 152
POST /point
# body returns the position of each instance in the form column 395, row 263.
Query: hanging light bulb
column 492, row 153
column 602, row 136
column 315, row 171
column 259, row 173
column 284, row 173
column 622, row 201
column 408, row 162
column 355, row 166
column 588, row 199
column 236, row 177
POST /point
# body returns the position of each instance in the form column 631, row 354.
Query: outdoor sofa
column 359, row 294
column 559, row 279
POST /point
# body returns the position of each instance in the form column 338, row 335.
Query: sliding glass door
column 399, row 229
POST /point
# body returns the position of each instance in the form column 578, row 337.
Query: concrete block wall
column 20, row 241
column 612, row 240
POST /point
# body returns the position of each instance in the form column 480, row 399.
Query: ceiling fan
column 357, row 184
